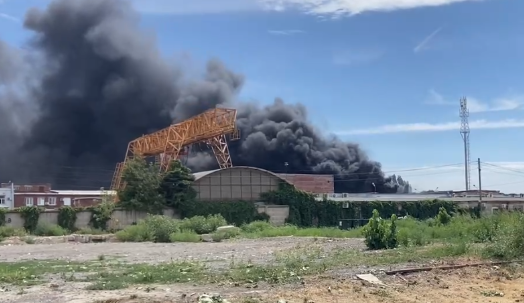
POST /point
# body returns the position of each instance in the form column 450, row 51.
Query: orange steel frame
column 166, row 145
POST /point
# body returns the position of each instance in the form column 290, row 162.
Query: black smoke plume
column 90, row 80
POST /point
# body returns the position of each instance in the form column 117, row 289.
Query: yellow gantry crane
column 166, row 145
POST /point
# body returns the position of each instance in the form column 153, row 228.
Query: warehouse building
column 247, row 183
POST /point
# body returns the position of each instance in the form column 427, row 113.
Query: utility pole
column 464, row 132
column 480, row 182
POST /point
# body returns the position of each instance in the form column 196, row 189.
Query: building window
column 28, row 201
column 41, row 201
column 17, row 187
column 52, row 200
column 2, row 200
column 28, row 187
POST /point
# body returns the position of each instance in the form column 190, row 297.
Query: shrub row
column 158, row 228
column 306, row 211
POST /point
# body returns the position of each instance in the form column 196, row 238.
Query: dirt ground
column 258, row 251
column 478, row 284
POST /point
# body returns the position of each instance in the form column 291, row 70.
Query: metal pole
column 466, row 161
column 480, row 181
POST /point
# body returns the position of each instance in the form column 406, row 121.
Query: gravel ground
column 256, row 250
column 56, row 291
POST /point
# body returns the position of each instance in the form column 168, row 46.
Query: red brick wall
column 29, row 188
column 317, row 184
column 76, row 201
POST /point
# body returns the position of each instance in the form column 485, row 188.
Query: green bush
column 225, row 234
column 508, row 239
column 161, row 227
column 155, row 228
column 256, row 226
column 101, row 214
column 136, row 233
column 30, row 214
column 203, row 225
column 3, row 212
column 8, row 231
column 234, row 212
column 67, row 217
column 185, row 236
column 443, row 217
column 380, row 234
column 47, row 230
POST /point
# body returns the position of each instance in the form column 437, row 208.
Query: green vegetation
column 499, row 236
column 67, row 217
column 47, row 229
column 305, row 211
column 101, row 214
column 147, row 190
column 30, row 214
column 3, row 211
column 379, row 233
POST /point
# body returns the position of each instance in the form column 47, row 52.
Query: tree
column 142, row 182
column 176, row 186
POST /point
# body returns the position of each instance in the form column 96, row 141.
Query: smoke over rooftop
column 90, row 80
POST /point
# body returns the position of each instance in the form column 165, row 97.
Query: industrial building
column 227, row 184
column 16, row 195
column 247, row 183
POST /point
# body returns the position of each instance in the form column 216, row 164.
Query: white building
column 7, row 197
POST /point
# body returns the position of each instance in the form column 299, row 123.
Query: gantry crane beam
column 210, row 127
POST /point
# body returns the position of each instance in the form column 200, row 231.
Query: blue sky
column 387, row 74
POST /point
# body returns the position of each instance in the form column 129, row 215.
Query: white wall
column 8, row 196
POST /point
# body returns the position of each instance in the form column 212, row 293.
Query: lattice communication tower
column 464, row 132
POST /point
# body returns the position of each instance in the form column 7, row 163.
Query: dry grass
column 482, row 284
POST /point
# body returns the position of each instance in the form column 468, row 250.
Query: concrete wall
column 122, row 218
column 236, row 184
column 277, row 213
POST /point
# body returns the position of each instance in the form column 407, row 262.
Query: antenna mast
column 464, row 132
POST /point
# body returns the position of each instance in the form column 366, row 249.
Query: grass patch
column 185, row 236
column 47, row 230
column 174, row 272
column 262, row 229
column 32, row 272
column 8, row 231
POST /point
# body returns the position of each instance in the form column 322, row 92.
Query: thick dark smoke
column 90, row 80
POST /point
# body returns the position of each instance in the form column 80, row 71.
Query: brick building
column 316, row 184
column 42, row 195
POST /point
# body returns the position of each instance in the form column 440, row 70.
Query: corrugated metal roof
column 83, row 192
column 202, row 174
column 414, row 199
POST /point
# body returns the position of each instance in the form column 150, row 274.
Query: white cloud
column 317, row 7
column 433, row 127
column 352, row 7
column 477, row 106
column 507, row 177
column 286, row 32
column 353, row 57
column 9, row 18
column 425, row 42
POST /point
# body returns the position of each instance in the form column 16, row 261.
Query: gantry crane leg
column 219, row 146
column 115, row 182
column 168, row 156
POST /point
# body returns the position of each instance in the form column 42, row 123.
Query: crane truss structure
column 166, row 145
